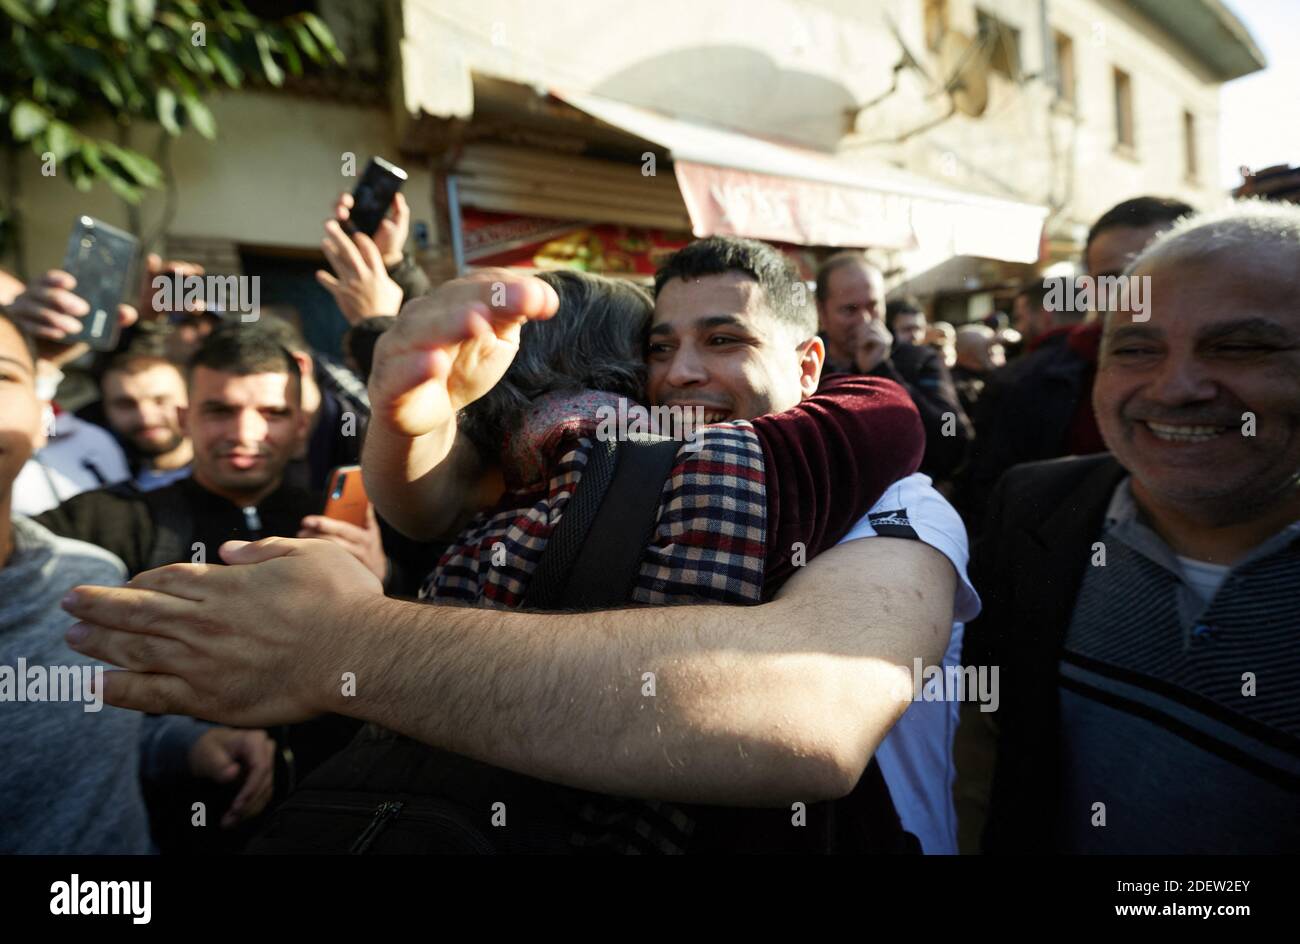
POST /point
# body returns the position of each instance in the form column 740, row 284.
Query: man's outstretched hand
column 253, row 644
column 451, row 346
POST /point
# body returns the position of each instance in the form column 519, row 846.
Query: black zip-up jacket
column 1029, row 564
column 920, row 370
column 123, row 520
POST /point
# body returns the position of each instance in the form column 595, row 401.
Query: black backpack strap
column 592, row 558
column 604, row 575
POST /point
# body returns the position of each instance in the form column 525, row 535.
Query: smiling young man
column 244, row 423
column 1143, row 606
column 760, row 706
column 717, row 342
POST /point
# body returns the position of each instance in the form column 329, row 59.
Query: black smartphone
column 102, row 260
column 374, row 194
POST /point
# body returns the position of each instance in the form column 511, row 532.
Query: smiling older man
column 1142, row 607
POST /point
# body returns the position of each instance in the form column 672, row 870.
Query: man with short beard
column 1142, row 604
column 143, row 394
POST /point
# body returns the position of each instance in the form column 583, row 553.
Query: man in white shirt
column 77, row 457
column 916, row 756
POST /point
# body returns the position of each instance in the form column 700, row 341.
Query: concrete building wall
column 1024, row 147
column 799, row 70
column 791, row 69
column 269, row 179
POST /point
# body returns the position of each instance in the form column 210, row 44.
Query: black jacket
column 1028, row 565
column 921, row 371
column 125, row 521
column 1024, row 415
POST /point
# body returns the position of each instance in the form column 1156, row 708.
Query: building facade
column 965, row 143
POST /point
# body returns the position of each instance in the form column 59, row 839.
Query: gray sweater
column 70, row 778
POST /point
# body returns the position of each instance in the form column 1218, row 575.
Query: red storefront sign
column 507, row 239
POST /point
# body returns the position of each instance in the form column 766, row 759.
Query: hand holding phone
column 101, row 259
column 52, row 312
column 349, row 521
column 374, row 193
column 345, row 498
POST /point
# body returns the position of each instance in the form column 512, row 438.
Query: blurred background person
column 143, row 396
column 977, row 353
column 851, row 320
column 943, row 338
column 906, row 320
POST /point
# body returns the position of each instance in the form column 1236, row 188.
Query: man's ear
column 303, row 359
column 183, row 416
column 812, row 356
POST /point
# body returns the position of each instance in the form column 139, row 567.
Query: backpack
column 388, row 794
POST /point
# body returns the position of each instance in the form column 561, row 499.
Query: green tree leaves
column 65, row 65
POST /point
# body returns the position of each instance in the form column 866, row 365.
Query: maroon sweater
column 828, row 460
column 731, row 514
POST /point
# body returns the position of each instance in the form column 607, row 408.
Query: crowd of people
column 1019, row 585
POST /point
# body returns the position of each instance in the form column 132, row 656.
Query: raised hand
column 450, row 347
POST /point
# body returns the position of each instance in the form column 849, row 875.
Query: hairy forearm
column 749, row 706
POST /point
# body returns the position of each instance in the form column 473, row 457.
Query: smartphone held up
column 345, row 499
column 102, row 259
column 374, row 194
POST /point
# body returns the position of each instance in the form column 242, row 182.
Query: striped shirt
column 1181, row 716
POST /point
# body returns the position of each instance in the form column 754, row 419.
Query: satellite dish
column 964, row 67
column 906, row 60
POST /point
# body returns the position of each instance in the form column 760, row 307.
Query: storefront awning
column 734, row 184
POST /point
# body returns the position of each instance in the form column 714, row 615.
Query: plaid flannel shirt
column 709, row 546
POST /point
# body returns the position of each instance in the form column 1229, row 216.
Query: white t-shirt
column 80, row 456
column 916, row 756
